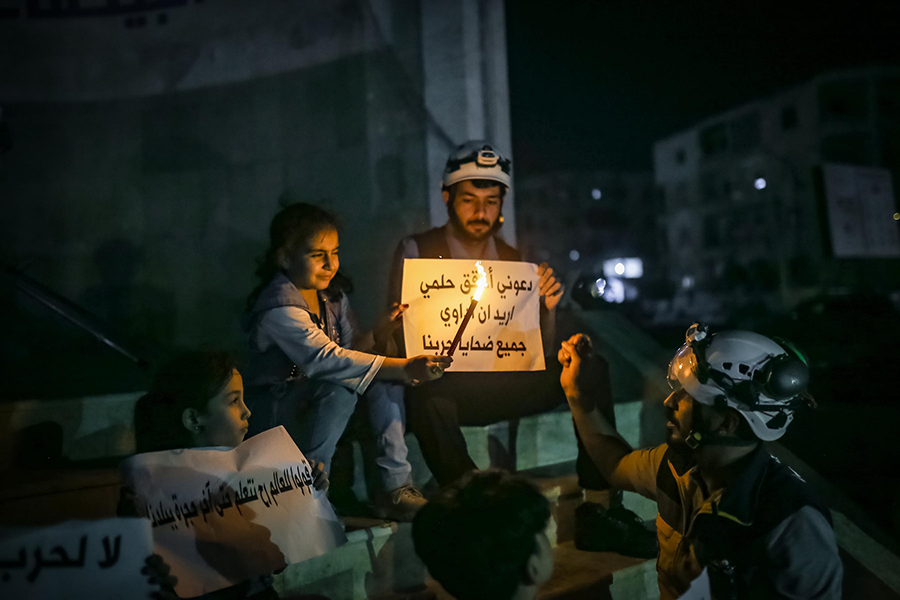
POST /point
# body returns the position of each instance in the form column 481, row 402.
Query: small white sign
column 700, row 588
column 100, row 560
column 861, row 209
column 223, row 516
column 504, row 330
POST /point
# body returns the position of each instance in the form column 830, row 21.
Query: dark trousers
column 437, row 409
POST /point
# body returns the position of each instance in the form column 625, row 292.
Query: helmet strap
column 695, row 439
column 698, row 436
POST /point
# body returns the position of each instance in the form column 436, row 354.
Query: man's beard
column 462, row 232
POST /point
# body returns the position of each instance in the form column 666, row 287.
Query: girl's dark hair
column 294, row 224
column 188, row 381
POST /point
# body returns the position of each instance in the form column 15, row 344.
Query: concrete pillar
column 466, row 89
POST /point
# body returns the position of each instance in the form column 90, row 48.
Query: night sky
column 594, row 83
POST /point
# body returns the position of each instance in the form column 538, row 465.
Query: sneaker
column 401, row 504
column 614, row 530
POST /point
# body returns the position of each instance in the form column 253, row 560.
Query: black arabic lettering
column 261, row 489
column 112, row 556
column 429, row 345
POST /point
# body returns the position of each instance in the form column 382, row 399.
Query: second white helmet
column 763, row 379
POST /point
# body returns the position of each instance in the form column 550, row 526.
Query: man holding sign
column 513, row 329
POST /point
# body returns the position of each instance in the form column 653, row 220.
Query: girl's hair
column 295, row 224
column 188, row 381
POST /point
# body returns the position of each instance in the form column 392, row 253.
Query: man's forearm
column 603, row 443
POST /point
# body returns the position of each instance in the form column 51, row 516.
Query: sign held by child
column 223, row 516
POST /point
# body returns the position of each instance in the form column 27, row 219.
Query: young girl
column 197, row 401
column 303, row 373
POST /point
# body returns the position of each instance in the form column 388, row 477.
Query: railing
column 74, row 314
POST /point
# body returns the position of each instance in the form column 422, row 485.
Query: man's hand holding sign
column 503, row 329
column 549, row 288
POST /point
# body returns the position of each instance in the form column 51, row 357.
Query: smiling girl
column 308, row 360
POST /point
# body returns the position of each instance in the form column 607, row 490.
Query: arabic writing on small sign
column 253, row 508
column 103, row 558
column 503, row 332
column 468, row 284
column 216, row 501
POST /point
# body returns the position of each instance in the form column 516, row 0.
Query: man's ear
column 532, row 574
column 190, row 418
column 537, row 569
column 445, row 193
column 731, row 420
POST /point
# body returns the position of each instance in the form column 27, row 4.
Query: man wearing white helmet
column 725, row 504
column 475, row 182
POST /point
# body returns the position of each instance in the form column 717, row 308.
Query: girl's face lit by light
column 226, row 419
column 312, row 265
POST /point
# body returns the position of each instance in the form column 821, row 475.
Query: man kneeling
column 725, row 504
column 484, row 537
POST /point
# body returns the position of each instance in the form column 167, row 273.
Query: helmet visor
column 689, row 371
column 682, row 367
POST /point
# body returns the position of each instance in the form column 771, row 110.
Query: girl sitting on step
column 197, row 401
column 309, row 362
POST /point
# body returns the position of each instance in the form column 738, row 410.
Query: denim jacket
column 288, row 342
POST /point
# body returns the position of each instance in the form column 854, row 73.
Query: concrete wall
column 147, row 162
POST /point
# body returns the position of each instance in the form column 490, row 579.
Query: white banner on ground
column 699, row 589
column 101, row 560
column 222, row 516
column 504, row 332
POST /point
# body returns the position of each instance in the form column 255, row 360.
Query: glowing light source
column 596, row 194
column 629, row 268
column 598, row 288
column 574, row 255
column 615, row 291
column 760, row 183
column 687, row 282
column 481, row 283
column 897, row 216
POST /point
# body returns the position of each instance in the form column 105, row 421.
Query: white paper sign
column 700, row 588
column 504, row 332
column 861, row 209
column 222, row 516
column 100, row 560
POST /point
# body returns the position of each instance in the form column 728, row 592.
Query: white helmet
column 476, row 159
column 763, row 379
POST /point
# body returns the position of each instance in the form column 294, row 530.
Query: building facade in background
column 150, row 148
column 744, row 209
column 577, row 221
